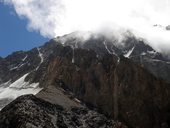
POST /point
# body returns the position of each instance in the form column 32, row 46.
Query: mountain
column 126, row 81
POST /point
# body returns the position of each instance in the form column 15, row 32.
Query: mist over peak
column 59, row 17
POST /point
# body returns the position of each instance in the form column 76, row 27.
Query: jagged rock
column 30, row 112
column 17, row 64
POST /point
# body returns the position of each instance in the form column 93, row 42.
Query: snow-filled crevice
column 107, row 47
column 73, row 55
column 127, row 55
column 18, row 66
column 41, row 58
column 25, row 58
column 74, row 46
column 113, row 51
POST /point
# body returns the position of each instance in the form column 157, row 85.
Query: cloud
column 57, row 17
column 42, row 15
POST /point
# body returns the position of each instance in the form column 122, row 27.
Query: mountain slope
column 42, row 114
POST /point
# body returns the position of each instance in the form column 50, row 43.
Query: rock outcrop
column 31, row 112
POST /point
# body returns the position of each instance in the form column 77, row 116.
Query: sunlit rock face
column 125, row 80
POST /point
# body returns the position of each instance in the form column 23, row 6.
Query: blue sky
column 14, row 35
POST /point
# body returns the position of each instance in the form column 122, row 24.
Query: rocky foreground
column 31, row 112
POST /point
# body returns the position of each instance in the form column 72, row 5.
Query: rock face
column 131, row 47
column 122, row 80
column 31, row 112
column 17, row 64
column 140, row 97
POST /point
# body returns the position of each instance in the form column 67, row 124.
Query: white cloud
column 57, row 17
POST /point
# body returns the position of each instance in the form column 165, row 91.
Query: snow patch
column 13, row 68
column 21, row 65
column 152, row 52
column 17, row 67
column 76, row 100
column 74, row 46
column 143, row 53
column 107, row 48
column 73, row 55
column 113, row 51
column 18, row 88
column 118, row 60
column 25, row 58
column 127, row 55
column 19, row 83
column 41, row 57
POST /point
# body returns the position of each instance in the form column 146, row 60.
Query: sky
column 14, row 34
column 42, row 19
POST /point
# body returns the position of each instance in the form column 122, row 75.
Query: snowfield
column 16, row 89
